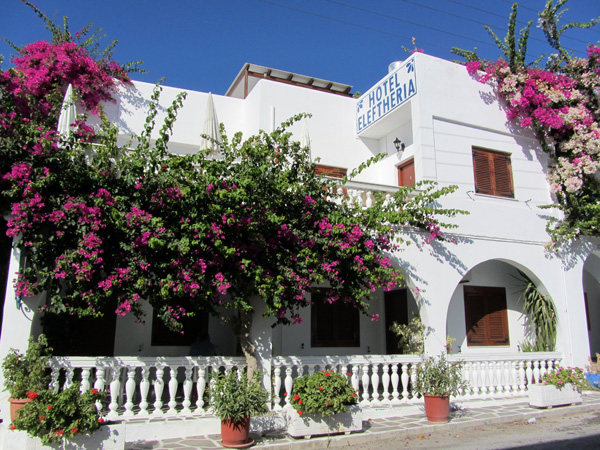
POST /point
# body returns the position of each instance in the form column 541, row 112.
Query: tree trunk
column 246, row 343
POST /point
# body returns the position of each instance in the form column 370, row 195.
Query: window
column 192, row 326
column 406, row 174
column 493, row 173
column 335, row 324
column 330, row 171
column 485, row 316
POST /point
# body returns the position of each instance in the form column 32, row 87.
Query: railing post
column 129, row 389
column 144, row 387
column 200, row 388
column 159, row 385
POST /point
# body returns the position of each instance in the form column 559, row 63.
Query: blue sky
column 202, row 45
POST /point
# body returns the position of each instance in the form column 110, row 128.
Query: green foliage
column 53, row 417
column 234, row 397
column 324, row 392
column 29, row 372
column 539, row 309
column 438, row 376
column 412, row 336
column 561, row 376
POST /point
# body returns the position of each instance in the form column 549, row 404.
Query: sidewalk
column 413, row 423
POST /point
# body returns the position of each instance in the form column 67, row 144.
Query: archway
column 485, row 314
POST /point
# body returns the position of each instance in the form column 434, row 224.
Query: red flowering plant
column 560, row 104
column 324, row 392
column 55, row 416
column 27, row 374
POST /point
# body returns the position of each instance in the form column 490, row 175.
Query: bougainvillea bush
column 325, row 392
column 560, row 103
column 101, row 224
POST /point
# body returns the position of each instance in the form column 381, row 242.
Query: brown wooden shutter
column 333, row 325
column 330, row 171
column 493, row 173
column 483, row 174
column 486, row 317
column 406, row 174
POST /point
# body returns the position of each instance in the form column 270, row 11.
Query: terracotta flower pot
column 437, row 408
column 15, row 405
column 236, row 434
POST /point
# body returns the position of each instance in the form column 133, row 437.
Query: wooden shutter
column 406, row 174
column 493, row 173
column 330, row 171
column 486, row 316
column 333, row 325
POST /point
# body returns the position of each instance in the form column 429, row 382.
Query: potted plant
column 561, row 386
column 593, row 372
column 234, row 398
column 323, row 403
column 55, row 416
column 25, row 375
column 436, row 380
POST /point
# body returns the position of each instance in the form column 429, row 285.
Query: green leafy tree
column 105, row 224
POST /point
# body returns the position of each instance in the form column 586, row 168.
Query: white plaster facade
column 449, row 114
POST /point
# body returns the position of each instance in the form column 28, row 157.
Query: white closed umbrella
column 68, row 112
column 210, row 137
column 305, row 138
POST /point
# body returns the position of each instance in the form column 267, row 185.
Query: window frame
column 339, row 318
column 492, row 316
column 492, row 172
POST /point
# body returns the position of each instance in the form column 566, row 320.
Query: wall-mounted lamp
column 399, row 145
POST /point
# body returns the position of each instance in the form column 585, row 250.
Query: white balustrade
column 172, row 386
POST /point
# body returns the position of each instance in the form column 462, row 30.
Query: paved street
column 484, row 425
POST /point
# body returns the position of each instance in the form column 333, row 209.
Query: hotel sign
column 387, row 95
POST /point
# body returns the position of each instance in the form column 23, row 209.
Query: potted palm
column 436, row 380
column 26, row 374
column 323, row 403
column 234, row 398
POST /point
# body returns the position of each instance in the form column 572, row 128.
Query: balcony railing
column 149, row 387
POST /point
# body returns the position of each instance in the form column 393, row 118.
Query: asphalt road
column 577, row 431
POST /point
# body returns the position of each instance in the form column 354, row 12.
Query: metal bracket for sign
column 23, row 307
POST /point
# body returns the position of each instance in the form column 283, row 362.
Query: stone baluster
column 54, row 375
column 499, row 386
column 529, row 373
column 522, row 376
column 277, row 388
column 129, row 390
column 172, row 390
column 289, row 383
column 159, row 386
column 395, row 381
column 514, row 375
column 365, row 384
column 506, row 367
column 187, row 390
column 375, row 400
column 369, row 199
column 144, row 388
column 200, row 388
column 413, row 382
column 85, row 380
column 99, row 384
column 536, row 371
column 115, row 388
column 466, row 392
column 355, row 379
column 476, row 377
column 542, row 368
column 404, row 377
column 385, row 382
column 550, row 365
column 69, row 372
